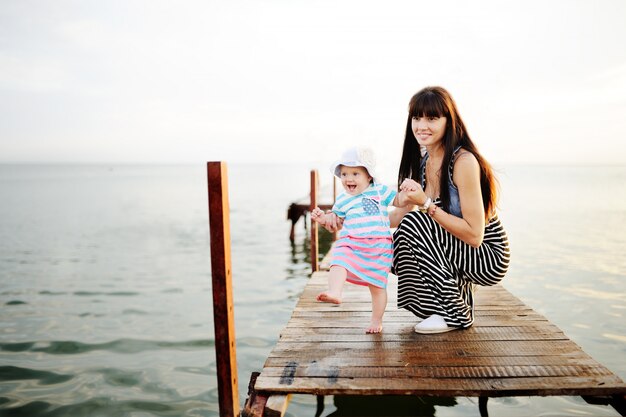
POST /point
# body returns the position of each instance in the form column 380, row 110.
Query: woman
column 455, row 240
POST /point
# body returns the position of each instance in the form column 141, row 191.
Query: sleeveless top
column 455, row 200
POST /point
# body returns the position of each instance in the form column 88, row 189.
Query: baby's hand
column 410, row 185
column 318, row 215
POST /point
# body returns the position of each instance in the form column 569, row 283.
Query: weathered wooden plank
column 404, row 329
column 366, row 305
column 355, row 315
column 359, row 312
column 386, row 336
column 508, row 321
column 596, row 385
column 363, row 301
column 442, row 348
column 401, row 361
column 315, row 370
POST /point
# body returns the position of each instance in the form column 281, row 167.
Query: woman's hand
column 410, row 185
column 411, row 192
column 333, row 222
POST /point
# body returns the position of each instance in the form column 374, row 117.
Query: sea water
column 105, row 284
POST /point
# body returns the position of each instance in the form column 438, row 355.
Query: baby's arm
column 319, row 216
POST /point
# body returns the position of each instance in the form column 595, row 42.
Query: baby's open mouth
column 351, row 187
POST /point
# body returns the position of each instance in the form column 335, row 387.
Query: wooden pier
column 511, row 350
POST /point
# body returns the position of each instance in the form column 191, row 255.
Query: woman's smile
column 428, row 130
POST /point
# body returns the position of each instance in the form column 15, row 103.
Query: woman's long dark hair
column 437, row 102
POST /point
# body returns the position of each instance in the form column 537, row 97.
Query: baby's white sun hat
column 356, row 156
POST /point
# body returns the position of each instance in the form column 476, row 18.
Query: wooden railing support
column 482, row 406
column 223, row 311
column 618, row 402
column 320, row 406
column 314, row 225
column 335, row 233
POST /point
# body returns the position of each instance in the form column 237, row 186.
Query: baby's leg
column 336, row 278
column 379, row 303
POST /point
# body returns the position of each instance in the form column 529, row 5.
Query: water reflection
column 301, row 248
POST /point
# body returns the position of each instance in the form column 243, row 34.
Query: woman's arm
column 471, row 227
column 396, row 215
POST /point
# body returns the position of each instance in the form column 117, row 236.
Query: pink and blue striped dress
column 364, row 247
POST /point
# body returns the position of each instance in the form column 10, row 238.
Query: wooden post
column 482, row 406
column 223, row 314
column 335, row 233
column 314, row 226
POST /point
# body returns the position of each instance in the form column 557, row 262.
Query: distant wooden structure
column 301, row 207
column 510, row 351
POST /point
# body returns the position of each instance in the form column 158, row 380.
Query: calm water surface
column 106, row 298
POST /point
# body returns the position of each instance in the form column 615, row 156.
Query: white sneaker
column 433, row 324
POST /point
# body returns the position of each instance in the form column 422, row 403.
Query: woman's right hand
column 410, row 185
column 333, row 222
column 414, row 194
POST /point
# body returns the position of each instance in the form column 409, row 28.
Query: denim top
column 455, row 201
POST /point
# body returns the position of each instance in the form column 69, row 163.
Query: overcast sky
column 298, row 81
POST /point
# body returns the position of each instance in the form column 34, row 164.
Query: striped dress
column 437, row 272
column 364, row 246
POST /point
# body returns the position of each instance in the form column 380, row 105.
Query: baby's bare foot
column 328, row 298
column 376, row 326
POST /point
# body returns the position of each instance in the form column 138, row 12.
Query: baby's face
column 354, row 180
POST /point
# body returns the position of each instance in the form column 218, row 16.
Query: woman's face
column 428, row 130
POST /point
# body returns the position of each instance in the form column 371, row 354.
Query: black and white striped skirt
column 437, row 271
